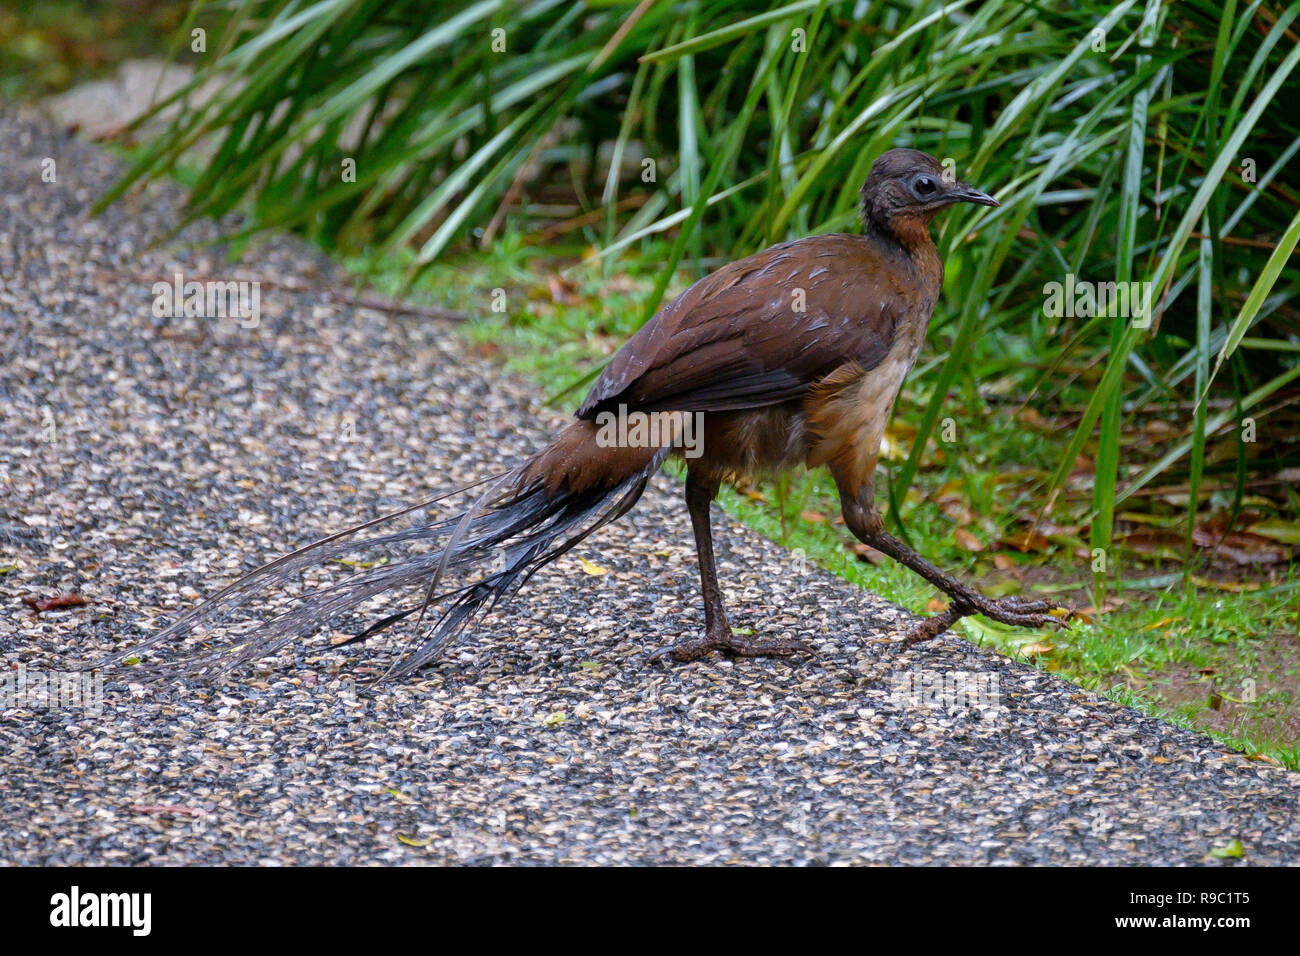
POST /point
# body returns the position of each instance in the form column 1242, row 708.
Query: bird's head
column 904, row 190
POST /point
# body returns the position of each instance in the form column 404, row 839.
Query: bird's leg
column 718, row 636
column 864, row 521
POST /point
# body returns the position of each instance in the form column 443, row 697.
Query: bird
column 789, row 358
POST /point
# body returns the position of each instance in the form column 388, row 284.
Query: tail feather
column 481, row 597
column 519, row 524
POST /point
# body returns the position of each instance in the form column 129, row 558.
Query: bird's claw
column 731, row 644
column 1014, row 611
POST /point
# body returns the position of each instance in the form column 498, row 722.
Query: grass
column 1184, row 654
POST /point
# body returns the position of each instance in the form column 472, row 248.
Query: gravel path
column 144, row 460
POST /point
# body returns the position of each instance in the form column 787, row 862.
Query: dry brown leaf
column 864, row 552
column 1233, row 586
column 957, row 511
column 1161, row 623
column 1025, row 543
column 1033, row 418
column 39, row 605
column 1241, row 547
column 562, row 289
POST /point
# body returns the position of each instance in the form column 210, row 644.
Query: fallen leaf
column 1161, row 623
column 412, row 842
column 813, row 516
column 1037, row 650
column 966, row 540
column 166, row 808
column 592, row 568
column 1242, row 547
column 1155, row 542
column 1141, row 517
column 864, row 552
column 39, row 605
column 1232, row 851
column 891, row 449
column 1233, row 586
column 957, row 512
column 1031, row 541
column 355, row 563
column 1108, row 607
column 561, row 289
column 1288, row 532
column 1033, row 418
column 1159, row 428
column 1046, row 525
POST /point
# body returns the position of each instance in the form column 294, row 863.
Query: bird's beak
column 965, row 193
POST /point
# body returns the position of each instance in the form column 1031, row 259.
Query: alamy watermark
column 52, row 690
column 1081, row 298
column 946, row 690
column 75, row 908
column 236, row 299
column 624, row 429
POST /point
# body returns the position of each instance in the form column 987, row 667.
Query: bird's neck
column 912, row 235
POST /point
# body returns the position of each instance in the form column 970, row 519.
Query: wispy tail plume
column 522, row 521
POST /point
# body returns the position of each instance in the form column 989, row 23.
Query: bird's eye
column 924, row 187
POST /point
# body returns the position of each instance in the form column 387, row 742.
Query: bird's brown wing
column 737, row 339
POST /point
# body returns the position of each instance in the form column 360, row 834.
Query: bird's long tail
column 521, row 521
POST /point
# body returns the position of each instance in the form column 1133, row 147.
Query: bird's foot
column 1016, row 611
column 731, row 644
